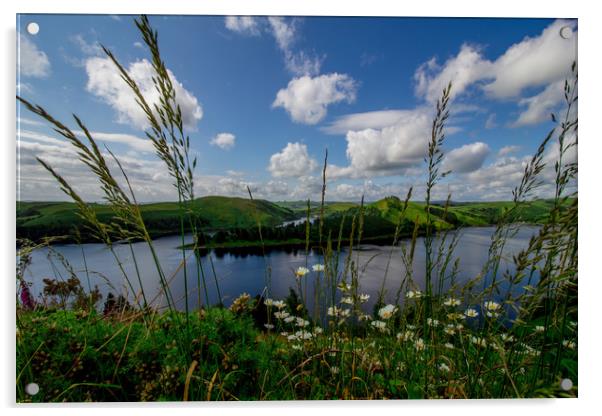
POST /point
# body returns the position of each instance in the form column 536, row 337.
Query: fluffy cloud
column 534, row 62
column 105, row 82
column 32, row 61
column 132, row 142
column 388, row 150
column 367, row 120
column 539, row 107
column 247, row 25
column 35, row 183
column 306, row 99
column 224, row 141
column 292, row 161
column 463, row 70
column 507, row 150
column 467, row 158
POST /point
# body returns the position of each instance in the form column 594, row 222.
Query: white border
column 589, row 185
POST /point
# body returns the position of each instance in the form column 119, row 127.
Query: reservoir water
column 238, row 271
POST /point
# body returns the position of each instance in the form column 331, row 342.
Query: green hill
column 39, row 219
column 467, row 214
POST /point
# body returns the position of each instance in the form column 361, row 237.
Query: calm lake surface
column 243, row 271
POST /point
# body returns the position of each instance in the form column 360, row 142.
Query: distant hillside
column 462, row 214
column 330, row 207
column 39, row 219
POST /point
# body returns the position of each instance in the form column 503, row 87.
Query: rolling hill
column 39, row 219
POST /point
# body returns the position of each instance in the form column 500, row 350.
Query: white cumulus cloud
column 534, row 62
column 467, row 158
column 105, row 82
column 224, row 141
column 539, row 107
column 31, row 60
column 306, row 99
column 292, row 161
column 388, row 150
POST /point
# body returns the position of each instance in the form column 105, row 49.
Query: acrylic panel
column 295, row 208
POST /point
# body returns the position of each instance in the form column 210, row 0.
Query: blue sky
column 264, row 97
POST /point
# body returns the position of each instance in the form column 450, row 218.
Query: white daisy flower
column 387, row 311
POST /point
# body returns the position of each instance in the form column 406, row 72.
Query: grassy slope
column 300, row 207
column 216, row 211
column 466, row 214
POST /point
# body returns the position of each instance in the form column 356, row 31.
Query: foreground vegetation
column 85, row 356
column 438, row 338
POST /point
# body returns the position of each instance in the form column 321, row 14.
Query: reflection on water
column 239, row 271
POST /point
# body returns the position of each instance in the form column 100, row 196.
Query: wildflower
column 269, row 326
column 419, row 344
column 492, row 306
column 449, row 345
column 318, row 330
column 405, row 336
column 364, row 297
column 459, row 327
column 239, row 304
column 284, row 334
column 507, row 338
column 411, row 294
column 297, row 347
column 365, row 317
column 401, row 367
column 268, row 302
column 301, row 271
column 539, row 329
column 452, row 302
column 334, row 370
column 344, row 287
column 492, row 309
column 289, row 319
column 279, row 304
column 455, row 316
column 478, row 341
column 302, row 322
column 432, row 322
column 338, row 312
column 292, row 337
column 26, row 298
column 380, row 325
column 281, row 314
column 471, row 313
column 411, row 327
column 569, row 344
column 387, row 311
column 450, row 329
column 318, row 267
column 303, row 335
column 348, row 300
column 444, row 367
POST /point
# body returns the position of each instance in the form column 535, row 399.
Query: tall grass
column 510, row 331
